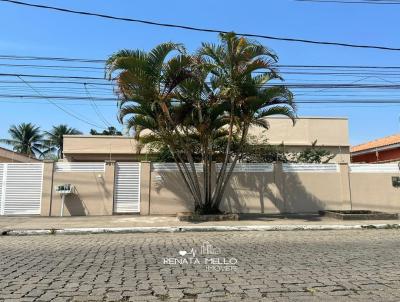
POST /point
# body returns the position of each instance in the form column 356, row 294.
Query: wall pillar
column 47, row 188
column 279, row 190
column 109, row 182
column 145, row 187
column 345, row 186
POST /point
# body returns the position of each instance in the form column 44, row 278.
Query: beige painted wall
column 102, row 147
column 327, row 131
column 94, row 193
column 330, row 133
column 310, row 192
column 374, row 191
column 164, row 193
column 254, row 192
column 168, row 194
column 8, row 156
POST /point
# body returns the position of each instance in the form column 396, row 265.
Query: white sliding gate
column 127, row 188
column 20, row 188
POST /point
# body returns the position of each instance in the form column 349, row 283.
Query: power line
column 373, row 2
column 51, row 76
column 42, row 103
column 96, row 109
column 304, row 101
column 52, row 66
column 61, row 97
column 308, row 106
column 338, row 66
column 59, row 59
column 58, row 82
column 80, row 60
column 199, row 29
column 58, row 106
column 290, row 85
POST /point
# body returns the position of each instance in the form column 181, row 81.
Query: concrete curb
column 179, row 229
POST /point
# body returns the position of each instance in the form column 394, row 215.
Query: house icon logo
column 208, row 249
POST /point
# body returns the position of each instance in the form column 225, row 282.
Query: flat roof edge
column 99, row 136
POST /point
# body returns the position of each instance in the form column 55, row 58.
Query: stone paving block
column 294, row 266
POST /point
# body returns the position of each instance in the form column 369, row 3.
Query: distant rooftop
column 378, row 143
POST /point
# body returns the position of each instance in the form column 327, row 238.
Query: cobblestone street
column 250, row 266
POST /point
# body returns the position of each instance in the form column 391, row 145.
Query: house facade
column 330, row 133
column 107, row 176
column 382, row 150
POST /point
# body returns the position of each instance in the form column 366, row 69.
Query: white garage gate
column 127, row 188
column 21, row 188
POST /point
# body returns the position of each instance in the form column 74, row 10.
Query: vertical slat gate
column 127, row 188
column 3, row 169
column 21, row 189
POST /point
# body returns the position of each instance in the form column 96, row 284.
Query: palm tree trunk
column 227, row 150
column 183, row 170
column 220, row 193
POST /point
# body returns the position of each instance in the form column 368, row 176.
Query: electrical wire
column 200, row 29
column 58, row 106
column 96, row 109
column 373, row 2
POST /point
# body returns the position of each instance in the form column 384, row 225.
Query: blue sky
column 36, row 32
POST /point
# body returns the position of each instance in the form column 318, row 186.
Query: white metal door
column 127, row 188
column 21, row 188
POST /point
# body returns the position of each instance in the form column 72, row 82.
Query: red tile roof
column 380, row 142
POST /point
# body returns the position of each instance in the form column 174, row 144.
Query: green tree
column 314, row 155
column 194, row 103
column 26, row 138
column 262, row 152
column 109, row 131
column 55, row 138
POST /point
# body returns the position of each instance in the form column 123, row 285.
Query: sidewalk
column 155, row 224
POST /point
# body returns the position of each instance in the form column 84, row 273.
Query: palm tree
column 241, row 70
column 26, row 138
column 54, row 138
column 189, row 103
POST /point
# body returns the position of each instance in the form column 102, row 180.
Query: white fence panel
column 249, row 167
column 21, row 189
column 173, row 167
column 315, row 168
column 79, row 167
column 374, row 168
column 2, row 187
column 127, row 188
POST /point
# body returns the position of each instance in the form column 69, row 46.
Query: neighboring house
column 330, row 133
column 382, row 150
column 8, row 156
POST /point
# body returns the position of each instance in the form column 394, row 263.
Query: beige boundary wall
column 254, row 188
column 93, row 194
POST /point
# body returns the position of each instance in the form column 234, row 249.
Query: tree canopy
column 195, row 103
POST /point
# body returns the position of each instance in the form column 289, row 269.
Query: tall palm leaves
column 188, row 103
column 26, row 138
column 146, row 85
column 240, row 70
column 55, row 137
